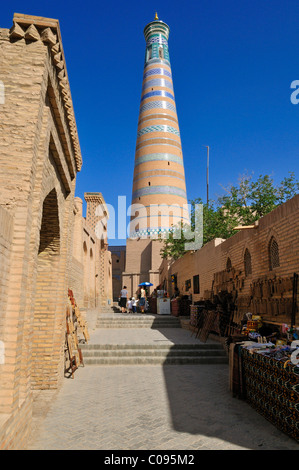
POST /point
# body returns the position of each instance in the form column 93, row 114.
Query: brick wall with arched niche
column 39, row 160
column 46, row 293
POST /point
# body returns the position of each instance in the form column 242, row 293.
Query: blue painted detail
column 157, row 93
column 156, row 39
column 157, row 71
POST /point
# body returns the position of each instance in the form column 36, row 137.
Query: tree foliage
column 241, row 204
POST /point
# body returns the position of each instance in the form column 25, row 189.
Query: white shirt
column 123, row 293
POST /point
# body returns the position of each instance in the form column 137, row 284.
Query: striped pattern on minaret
column 159, row 177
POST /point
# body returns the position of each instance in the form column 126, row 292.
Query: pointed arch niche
column 247, row 263
column 273, row 253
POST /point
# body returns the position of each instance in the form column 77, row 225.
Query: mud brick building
column 118, row 259
column 39, row 160
column 91, row 267
column 256, row 266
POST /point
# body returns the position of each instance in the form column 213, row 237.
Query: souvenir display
column 271, row 379
column 76, row 332
column 262, row 339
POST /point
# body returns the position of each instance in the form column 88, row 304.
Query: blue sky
column 232, row 62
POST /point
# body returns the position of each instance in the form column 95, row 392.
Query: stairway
column 146, row 354
column 137, row 321
column 146, row 339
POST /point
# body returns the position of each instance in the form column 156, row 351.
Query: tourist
column 142, row 299
column 134, row 305
column 130, row 305
column 123, row 299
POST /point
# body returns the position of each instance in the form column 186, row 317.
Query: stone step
column 188, row 352
column 114, row 354
column 172, row 346
column 137, row 321
column 151, row 352
column 137, row 317
column 137, row 325
column 156, row 360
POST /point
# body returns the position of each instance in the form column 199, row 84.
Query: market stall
column 180, row 306
column 262, row 338
column 163, row 306
column 267, row 377
column 175, row 307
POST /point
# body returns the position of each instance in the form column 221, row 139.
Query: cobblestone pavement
column 173, row 407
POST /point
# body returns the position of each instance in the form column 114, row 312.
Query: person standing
column 142, row 299
column 123, row 299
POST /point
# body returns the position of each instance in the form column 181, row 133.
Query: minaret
column 159, row 199
column 159, row 178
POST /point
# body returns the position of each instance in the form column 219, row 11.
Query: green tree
column 174, row 244
column 241, row 204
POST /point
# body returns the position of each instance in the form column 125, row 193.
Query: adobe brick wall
column 90, row 276
column 6, row 237
column 6, row 234
column 42, row 231
column 118, row 265
column 143, row 261
column 39, row 160
column 211, row 260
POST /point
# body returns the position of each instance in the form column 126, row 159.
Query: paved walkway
column 173, row 407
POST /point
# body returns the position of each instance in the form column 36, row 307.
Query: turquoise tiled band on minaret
column 159, row 177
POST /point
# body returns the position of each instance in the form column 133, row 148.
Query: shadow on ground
column 201, row 403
